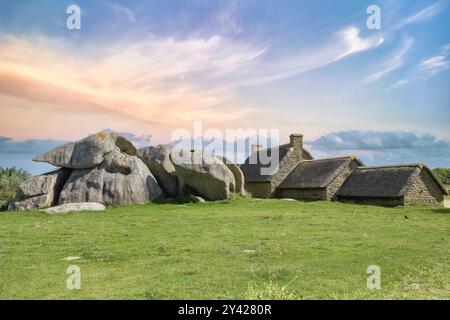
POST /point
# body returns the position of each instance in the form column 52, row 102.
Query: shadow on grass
column 177, row 200
column 193, row 198
column 442, row 210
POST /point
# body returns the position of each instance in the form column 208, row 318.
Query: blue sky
column 149, row 67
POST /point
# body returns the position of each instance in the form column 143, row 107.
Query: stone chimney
column 296, row 141
column 256, row 147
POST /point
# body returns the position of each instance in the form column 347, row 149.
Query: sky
column 147, row 68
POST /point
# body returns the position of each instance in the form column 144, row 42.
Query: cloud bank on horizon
column 299, row 66
column 373, row 147
column 377, row 147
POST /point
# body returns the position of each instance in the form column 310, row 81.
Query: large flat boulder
column 238, row 175
column 158, row 161
column 88, row 152
column 40, row 191
column 119, row 179
column 203, row 174
column 76, row 207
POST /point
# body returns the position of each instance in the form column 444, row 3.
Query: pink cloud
column 141, row 84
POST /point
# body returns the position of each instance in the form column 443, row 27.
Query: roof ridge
column 351, row 157
column 387, row 166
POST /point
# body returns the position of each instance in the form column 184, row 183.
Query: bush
column 443, row 174
column 10, row 179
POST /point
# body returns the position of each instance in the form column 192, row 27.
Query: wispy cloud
column 147, row 80
column 393, row 63
column 398, row 84
column 227, row 19
column 123, row 11
column 161, row 80
column 436, row 64
column 422, row 15
column 427, row 68
column 341, row 45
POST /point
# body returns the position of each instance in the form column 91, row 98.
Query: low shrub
column 10, row 179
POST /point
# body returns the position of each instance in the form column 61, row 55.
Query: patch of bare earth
column 447, row 203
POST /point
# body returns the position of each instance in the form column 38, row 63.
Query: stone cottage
column 395, row 185
column 317, row 179
column 263, row 184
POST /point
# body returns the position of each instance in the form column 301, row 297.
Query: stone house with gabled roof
column 317, row 179
column 395, row 185
column 263, row 184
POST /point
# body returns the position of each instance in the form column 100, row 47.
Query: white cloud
column 398, row 84
column 422, row 15
column 157, row 79
column 354, row 43
column 342, row 44
column 434, row 65
column 427, row 68
column 154, row 80
column 393, row 63
column 379, row 147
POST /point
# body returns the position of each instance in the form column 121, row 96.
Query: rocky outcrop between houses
column 203, row 174
column 158, row 161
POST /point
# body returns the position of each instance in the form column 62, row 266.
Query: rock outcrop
column 106, row 169
column 75, row 207
column 119, row 179
column 203, row 174
column 158, row 161
column 40, row 191
column 88, row 152
column 238, row 175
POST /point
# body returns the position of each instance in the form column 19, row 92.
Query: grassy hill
column 240, row 248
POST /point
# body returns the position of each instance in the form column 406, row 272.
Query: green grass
column 235, row 249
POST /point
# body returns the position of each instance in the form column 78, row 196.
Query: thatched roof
column 253, row 165
column 317, row 173
column 384, row 181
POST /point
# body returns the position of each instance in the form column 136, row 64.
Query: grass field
column 235, row 249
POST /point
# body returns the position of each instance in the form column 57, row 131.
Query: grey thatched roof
column 317, row 173
column 384, row 181
column 251, row 168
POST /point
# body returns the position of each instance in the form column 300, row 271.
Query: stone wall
column 258, row 189
column 289, row 162
column 424, row 190
column 302, row 194
column 337, row 183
